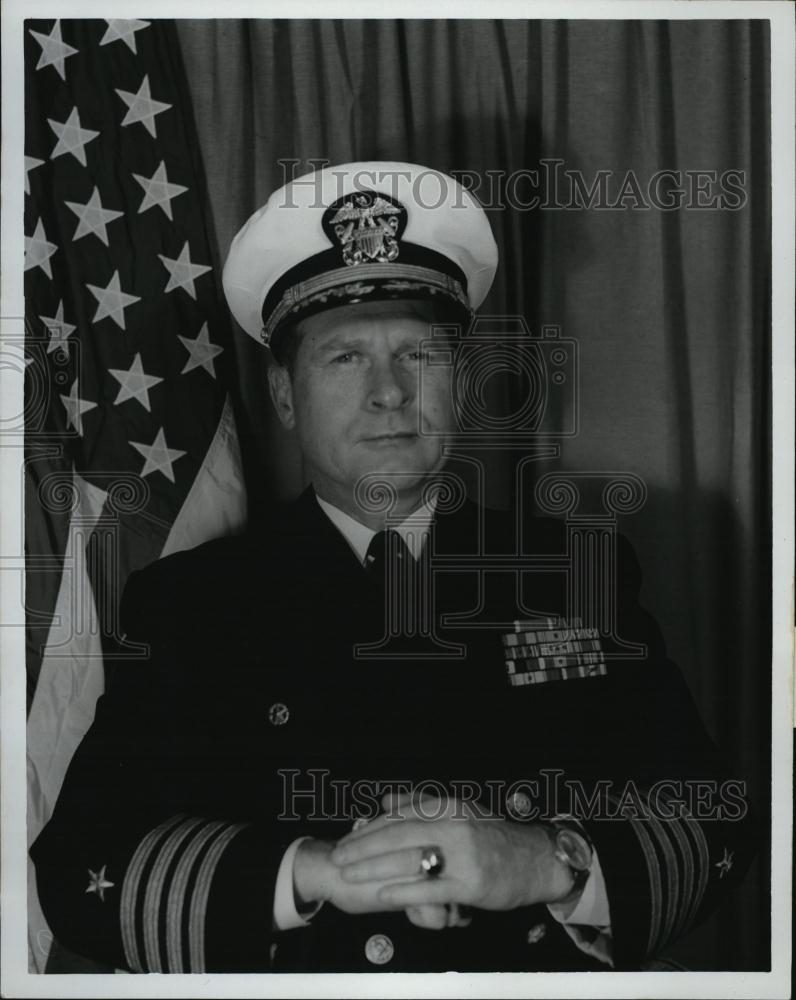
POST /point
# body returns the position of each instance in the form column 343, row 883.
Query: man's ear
column 281, row 387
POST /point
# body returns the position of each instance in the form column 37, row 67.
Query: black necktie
column 397, row 577
column 387, row 555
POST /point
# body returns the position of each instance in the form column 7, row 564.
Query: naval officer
column 290, row 782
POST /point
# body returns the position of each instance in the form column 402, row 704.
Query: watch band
column 572, row 847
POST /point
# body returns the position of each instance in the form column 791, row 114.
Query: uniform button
column 536, row 933
column 379, row 949
column 278, row 714
column 519, row 804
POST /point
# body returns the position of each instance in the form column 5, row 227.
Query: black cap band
column 322, row 283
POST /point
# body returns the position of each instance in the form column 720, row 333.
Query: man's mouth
column 393, row 436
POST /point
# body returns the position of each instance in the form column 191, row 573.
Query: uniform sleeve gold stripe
column 703, row 867
column 656, row 890
column 154, row 889
column 654, row 880
column 686, row 893
column 678, row 828
column 198, row 911
column 672, row 878
column 130, row 890
column 176, row 898
column 675, row 827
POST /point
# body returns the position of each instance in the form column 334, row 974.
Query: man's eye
column 421, row 356
column 345, row 358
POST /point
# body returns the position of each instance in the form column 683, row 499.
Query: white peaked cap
column 356, row 232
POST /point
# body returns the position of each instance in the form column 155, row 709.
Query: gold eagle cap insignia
column 366, row 226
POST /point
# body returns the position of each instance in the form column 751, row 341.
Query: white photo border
column 16, row 980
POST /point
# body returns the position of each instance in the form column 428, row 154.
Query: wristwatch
column 572, row 846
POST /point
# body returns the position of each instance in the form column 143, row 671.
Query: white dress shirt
column 586, row 920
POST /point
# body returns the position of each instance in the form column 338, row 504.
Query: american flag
column 131, row 447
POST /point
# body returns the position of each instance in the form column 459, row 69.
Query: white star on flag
column 98, row 883
column 93, row 217
column 38, row 250
column 71, row 137
column 112, row 301
column 158, row 190
column 200, row 352
column 30, row 164
column 159, row 457
column 59, row 330
column 122, row 30
column 54, row 50
column 142, row 108
column 182, row 272
column 75, row 408
column 134, row 383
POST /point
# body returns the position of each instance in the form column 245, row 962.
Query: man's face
column 364, row 399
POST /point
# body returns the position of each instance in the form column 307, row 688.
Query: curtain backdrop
column 670, row 309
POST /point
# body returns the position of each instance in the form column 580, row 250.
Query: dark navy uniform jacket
column 251, row 721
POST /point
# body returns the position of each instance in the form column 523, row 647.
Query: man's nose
column 389, row 388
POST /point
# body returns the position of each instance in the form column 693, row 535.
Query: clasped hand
column 489, row 863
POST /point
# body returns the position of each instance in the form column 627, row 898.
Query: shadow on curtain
column 670, row 309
